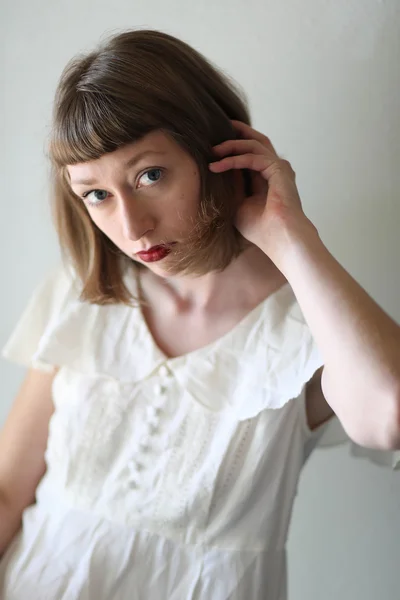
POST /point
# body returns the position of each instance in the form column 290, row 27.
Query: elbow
column 390, row 432
column 390, row 436
column 382, row 432
column 393, row 429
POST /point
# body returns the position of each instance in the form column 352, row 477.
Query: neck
column 246, row 277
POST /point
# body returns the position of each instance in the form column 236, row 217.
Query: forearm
column 10, row 523
column 359, row 342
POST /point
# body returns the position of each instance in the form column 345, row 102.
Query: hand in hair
column 273, row 216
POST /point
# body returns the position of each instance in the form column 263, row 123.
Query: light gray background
column 323, row 82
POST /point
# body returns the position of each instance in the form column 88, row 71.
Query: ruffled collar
column 267, row 357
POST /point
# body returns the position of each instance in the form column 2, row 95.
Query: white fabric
column 166, row 478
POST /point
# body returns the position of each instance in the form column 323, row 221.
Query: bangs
column 91, row 125
column 116, row 96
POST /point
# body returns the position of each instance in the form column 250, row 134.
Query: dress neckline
column 249, row 319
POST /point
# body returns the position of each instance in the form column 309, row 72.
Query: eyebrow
column 130, row 163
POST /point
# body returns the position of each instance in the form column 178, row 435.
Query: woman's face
column 143, row 195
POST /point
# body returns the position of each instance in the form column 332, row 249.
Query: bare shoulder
column 317, row 408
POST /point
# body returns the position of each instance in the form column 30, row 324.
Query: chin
column 155, row 268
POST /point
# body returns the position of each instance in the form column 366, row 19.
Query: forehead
column 156, row 142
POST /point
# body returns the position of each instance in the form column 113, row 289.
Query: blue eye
column 98, row 200
column 154, row 176
column 151, row 172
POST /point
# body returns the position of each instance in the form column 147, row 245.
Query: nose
column 136, row 219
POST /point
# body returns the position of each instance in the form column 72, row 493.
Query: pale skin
column 360, row 343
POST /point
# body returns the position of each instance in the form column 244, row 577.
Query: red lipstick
column 154, row 254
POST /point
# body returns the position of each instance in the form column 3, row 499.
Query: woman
column 187, row 358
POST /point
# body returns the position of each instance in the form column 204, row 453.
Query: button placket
column 151, row 427
column 135, row 467
column 153, row 415
column 159, row 401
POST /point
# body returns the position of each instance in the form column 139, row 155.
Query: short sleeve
column 331, row 433
column 44, row 308
column 312, row 437
column 335, row 435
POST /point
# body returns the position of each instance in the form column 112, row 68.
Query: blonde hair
column 135, row 82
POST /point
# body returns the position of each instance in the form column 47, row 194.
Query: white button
column 159, row 389
column 150, row 429
column 144, row 446
column 163, row 371
column 134, row 467
column 152, row 414
column 151, row 410
column 159, row 402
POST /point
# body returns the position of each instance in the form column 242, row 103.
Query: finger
column 249, row 132
column 240, row 147
column 256, row 162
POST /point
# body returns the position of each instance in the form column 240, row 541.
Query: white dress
column 166, row 478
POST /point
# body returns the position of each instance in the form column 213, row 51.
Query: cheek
column 185, row 209
column 188, row 196
column 106, row 225
column 96, row 219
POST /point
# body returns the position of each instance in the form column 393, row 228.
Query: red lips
column 154, row 254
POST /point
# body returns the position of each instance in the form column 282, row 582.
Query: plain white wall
column 323, row 82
